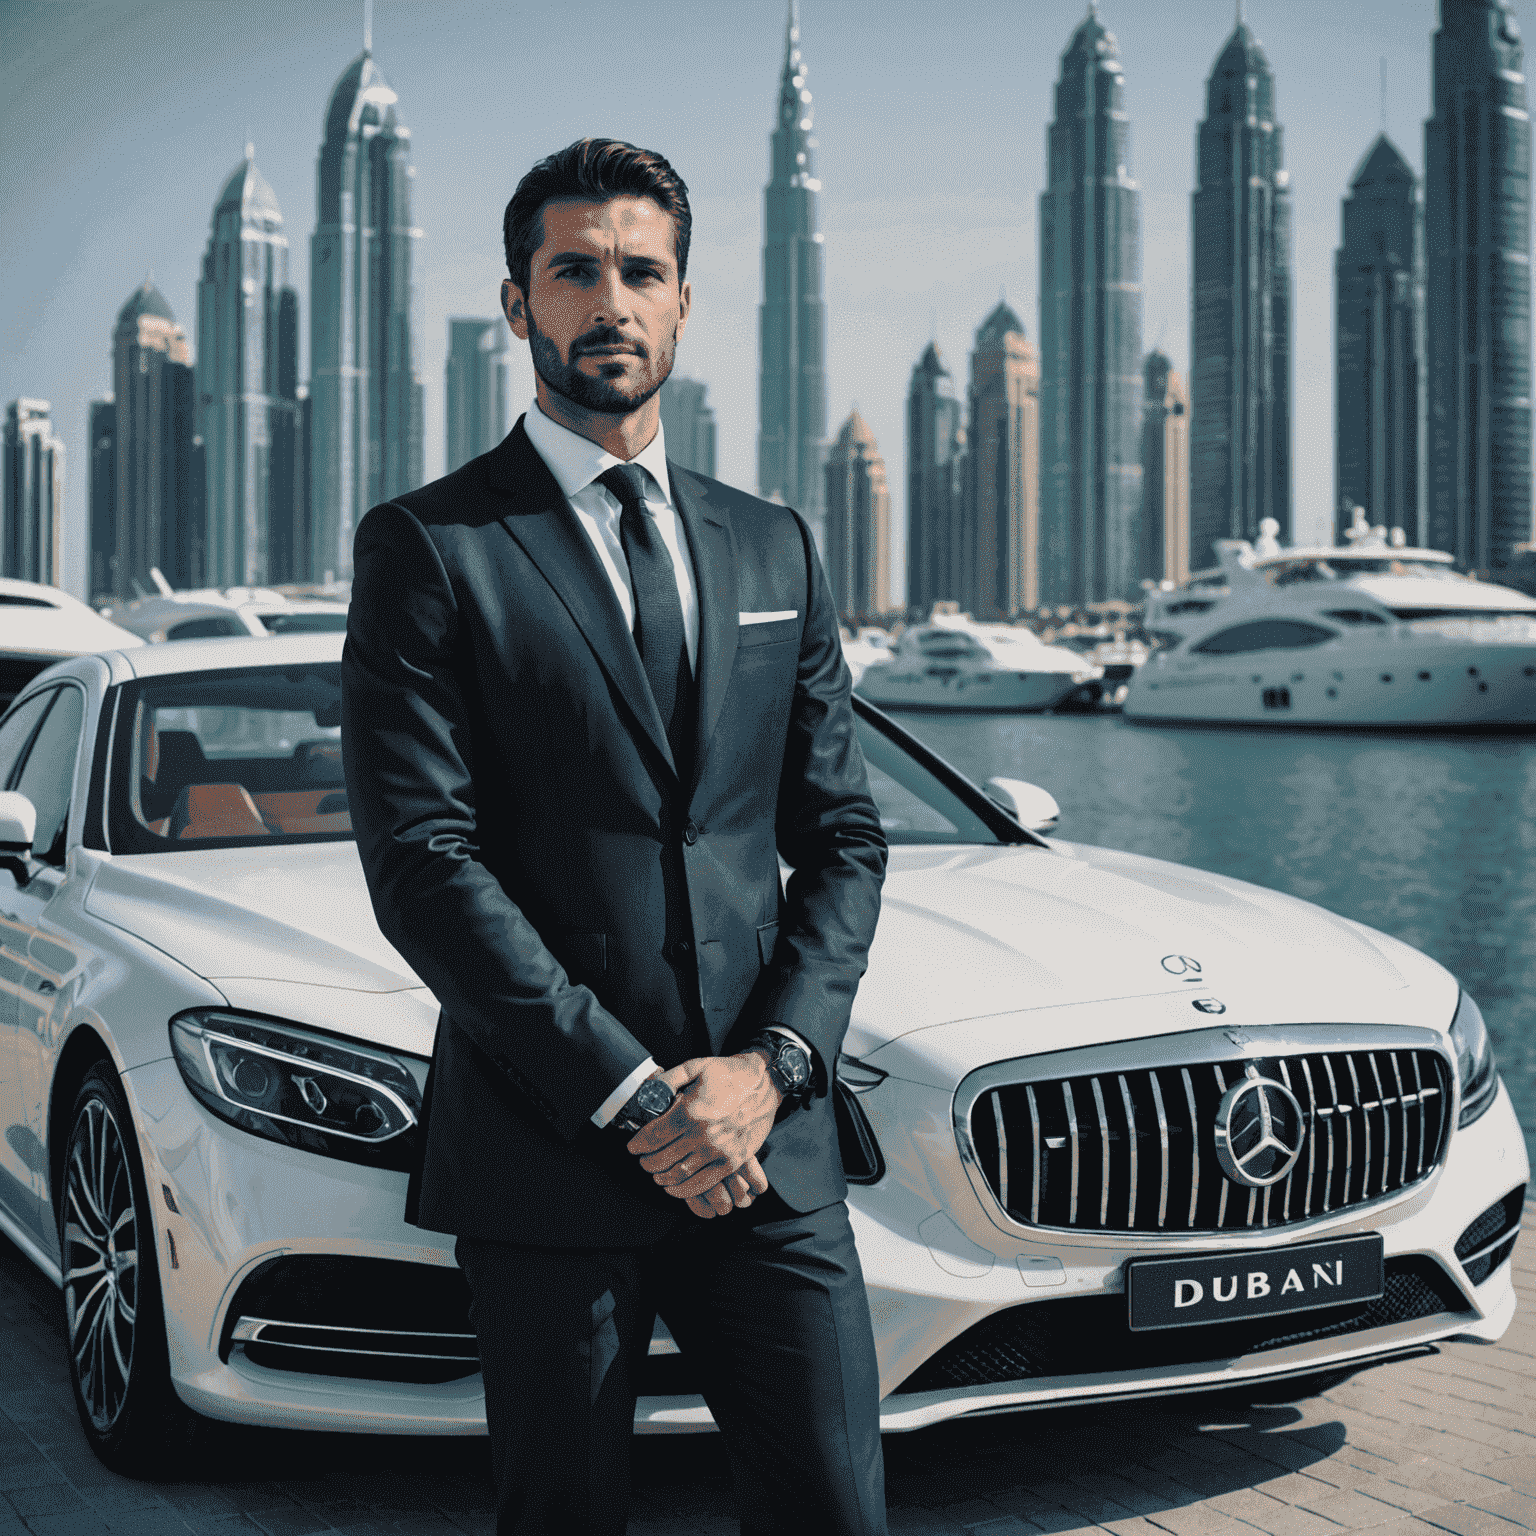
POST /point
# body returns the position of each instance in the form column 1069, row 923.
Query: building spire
column 1242, row 18
column 368, row 26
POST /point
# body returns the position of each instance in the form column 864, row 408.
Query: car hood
column 295, row 913
column 983, row 954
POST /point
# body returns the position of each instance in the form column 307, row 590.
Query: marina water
column 1431, row 838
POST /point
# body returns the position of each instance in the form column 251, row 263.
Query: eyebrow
column 571, row 257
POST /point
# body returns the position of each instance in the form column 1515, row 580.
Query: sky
column 120, row 120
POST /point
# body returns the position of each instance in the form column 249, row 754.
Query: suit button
column 691, row 833
column 680, row 949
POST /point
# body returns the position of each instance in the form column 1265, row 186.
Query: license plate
column 1234, row 1287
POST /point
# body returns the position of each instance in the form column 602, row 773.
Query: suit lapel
column 713, row 544
column 542, row 524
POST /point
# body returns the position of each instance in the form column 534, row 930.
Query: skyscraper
column 1090, row 332
column 792, row 387
column 365, row 384
column 1003, row 470
column 31, row 537
column 160, row 519
column 247, row 387
column 477, row 388
column 858, row 530
column 1164, row 473
column 688, row 421
column 101, row 561
column 1477, row 217
column 1378, row 394
column 936, row 541
column 1240, row 374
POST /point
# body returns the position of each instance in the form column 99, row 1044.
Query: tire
column 114, row 1317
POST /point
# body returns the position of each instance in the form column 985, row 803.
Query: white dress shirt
column 576, row 462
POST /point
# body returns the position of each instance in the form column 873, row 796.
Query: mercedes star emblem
column 1181, row 965
column 1260, row 1129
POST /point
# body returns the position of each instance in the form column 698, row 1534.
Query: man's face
column 604, row 308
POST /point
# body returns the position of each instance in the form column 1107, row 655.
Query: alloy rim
column 101, row 1263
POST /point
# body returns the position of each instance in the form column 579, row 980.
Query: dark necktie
column 659, row 630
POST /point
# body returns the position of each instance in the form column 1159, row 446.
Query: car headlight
column 293, row 1085
column 1474, row 1061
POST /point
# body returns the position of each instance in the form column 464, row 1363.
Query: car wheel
column 118, row 1361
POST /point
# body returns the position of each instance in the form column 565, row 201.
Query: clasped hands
column 704, row 1149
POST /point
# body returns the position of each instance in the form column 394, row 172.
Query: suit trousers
column 768, row 1307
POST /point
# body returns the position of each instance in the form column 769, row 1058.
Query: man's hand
column 704, row 1149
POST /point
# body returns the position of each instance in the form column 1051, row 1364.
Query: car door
column 18, row 1186
column 46, row 777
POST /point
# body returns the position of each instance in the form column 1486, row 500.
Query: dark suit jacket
column 532, row 852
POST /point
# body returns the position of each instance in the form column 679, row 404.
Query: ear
column 684, row 304
column 513, row 307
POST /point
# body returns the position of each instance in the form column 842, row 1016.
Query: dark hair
column 595, row 170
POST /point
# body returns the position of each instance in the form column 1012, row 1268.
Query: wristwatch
column 651, row 1100
column 789, row 1067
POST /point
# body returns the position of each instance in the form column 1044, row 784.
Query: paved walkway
column 1436, row 1444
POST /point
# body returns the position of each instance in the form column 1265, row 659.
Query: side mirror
column 18, row 826
column 1031, row 806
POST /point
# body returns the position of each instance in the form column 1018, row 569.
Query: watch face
column 654, row 1097
column 791, row 1061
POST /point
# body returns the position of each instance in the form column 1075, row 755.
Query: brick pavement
column 1432, row 1445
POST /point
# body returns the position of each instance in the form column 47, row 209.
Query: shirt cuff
column 623, row 1093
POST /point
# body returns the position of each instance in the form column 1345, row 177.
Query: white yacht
column 1373, row 633
column 868, row 647
column 954, row 663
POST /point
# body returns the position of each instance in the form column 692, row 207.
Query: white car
column 40, row 624
column 236, row 611
column 1114, row 1127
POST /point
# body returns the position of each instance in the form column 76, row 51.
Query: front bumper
column 935, row 1268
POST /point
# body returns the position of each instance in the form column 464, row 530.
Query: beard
column 607, row 397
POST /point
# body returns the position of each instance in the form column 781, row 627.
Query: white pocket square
column 769, row 618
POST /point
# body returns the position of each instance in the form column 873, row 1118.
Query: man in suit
column 589, row 701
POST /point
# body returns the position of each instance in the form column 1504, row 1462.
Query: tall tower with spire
column 1477, row 215
column 366, row 402
column 792, row 323
column 247, row 386
column 1090, row 332
column 1240, row 375
column 1378, row 379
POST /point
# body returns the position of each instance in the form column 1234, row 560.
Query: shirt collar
column 576, row 461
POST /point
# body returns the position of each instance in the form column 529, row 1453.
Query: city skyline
column 93, row 210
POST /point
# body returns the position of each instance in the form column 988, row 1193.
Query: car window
column 230, row 757
column 306, row 623
column 16, row 731
column 215, row 626
column 1265, row 635
column 48, row 772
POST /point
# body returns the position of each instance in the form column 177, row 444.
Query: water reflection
column 1430, row 839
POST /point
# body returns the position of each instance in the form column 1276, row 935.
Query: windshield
column 229, row 758
column 253, row 756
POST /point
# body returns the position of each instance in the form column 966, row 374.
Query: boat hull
column 1421, row 684
column 980, row 692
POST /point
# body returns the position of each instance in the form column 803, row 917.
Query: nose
column 610, row 298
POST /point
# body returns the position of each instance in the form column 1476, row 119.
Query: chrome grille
column 1134, row 1151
